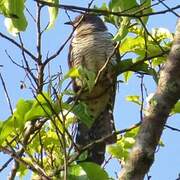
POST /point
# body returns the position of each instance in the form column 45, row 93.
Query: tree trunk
column 167, row 94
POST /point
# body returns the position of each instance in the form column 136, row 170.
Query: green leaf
column 72, row 73
column 146, row 8
column 127, row 6
column 76, row 172
column 176, row 108
column 127, row 75
column 82, row 113
column 88, row 77
column 123, row 30
column 42, row 107
column 161, row 34
column 129, row 142
column 135, row 65
column 132, row 133
column 94, row 171
column 15, row 25
column 53, row 13
column 22, row 107
column 7, row 127
column 123, row 22
column 5, row 11
column 123, row 146
column 134, row 99
column 118, row 151
column 161, row 143
column 131, row 44
column 22, row 171
column 158, row 61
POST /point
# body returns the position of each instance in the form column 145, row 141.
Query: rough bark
column 167, row 94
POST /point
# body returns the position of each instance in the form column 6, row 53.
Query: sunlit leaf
column 7, row 127
column 176, row 108
column 15, row 25
column 22, row 107
column 134, row 99
column 127, row 6
column 42, row 107
column 146, row 8
column 76, row 172
column 22, row 171
column 82, row 113
column 132, row 133
column 161, row 34
column 127, row 75
column 53, row 13
column 94, row 171
column 131, row 44
column 117, row 151
column 123, row 146
column 158, row 61
column 88, row 77
column 72, row 73
column 123, row 30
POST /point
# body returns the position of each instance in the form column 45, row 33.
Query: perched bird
column 92, row 48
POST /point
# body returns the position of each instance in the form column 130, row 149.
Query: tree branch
column 165, row 97
column 104, row 12
column 19, row 46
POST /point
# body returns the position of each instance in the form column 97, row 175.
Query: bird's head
column 87, row 22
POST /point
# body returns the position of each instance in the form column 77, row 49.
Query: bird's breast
column 92, row 50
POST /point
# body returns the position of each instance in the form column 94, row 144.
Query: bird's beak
column 69, row 23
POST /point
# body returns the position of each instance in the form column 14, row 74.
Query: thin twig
column 30, row 14
column 106, row 63
column 5, row 164
column 40, row 75
column 93, row 143
column 145, row 28
column 27, row 69
column 119, row 71
column 28, row 165
column 19, row 46
column 142, row 97
column 168, row 8
column 104, row 12
column 6, row 93
column 172, row 128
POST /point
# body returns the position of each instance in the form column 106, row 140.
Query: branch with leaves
column 39, row 133
column 166, row 96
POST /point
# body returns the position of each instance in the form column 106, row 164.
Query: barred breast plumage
column 91, row 46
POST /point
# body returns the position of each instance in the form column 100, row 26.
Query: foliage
column 121, row 149
column 15, row 20
column 50, row 143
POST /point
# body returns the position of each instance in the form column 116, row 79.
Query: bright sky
column 167, row 160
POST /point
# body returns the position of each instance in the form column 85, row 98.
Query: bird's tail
column 102, row 129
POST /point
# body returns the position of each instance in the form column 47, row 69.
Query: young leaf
column 72, row 73
column 76, row 172
column 123, row 30
column 122, row 147
column 131, row 44
column 7, row 127
column 146, row 6
column 22, row 107
column 53, row 13
column 42, row 107
column 127, row 75
column 88, row 77
column 134, row 99
column 176, row 108
column 15, row 24
column 82, row 113
column 94, row 171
